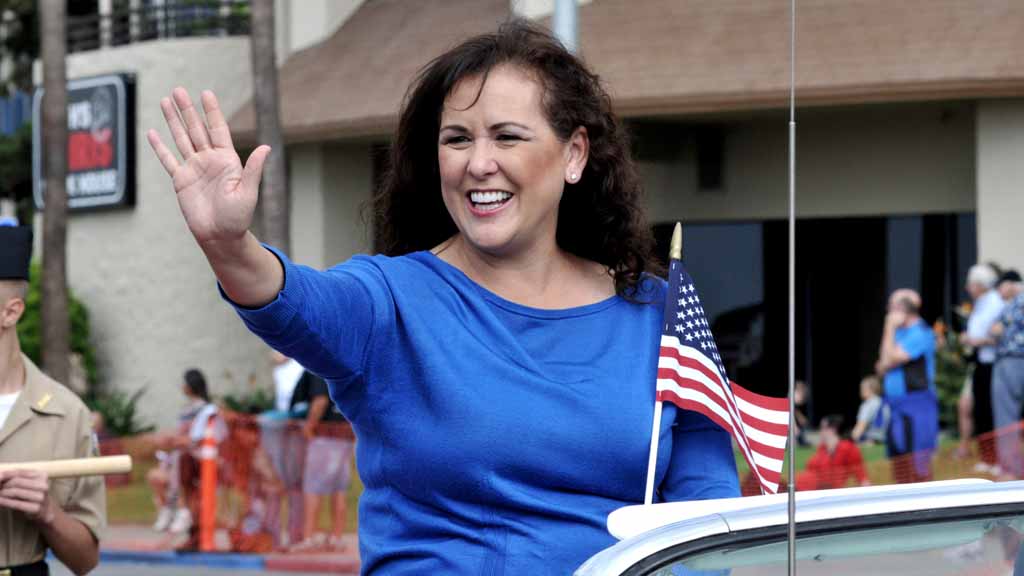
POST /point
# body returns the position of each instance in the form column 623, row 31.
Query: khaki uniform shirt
column 48, row 422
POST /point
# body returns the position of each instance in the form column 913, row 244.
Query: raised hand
column 216, row 194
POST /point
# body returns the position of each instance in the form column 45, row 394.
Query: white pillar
column 1000, row 180
column 134, row 20
column 106, row 10
column 564, row 24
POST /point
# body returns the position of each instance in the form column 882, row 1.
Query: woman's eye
column 454, row 140
column 508, row 138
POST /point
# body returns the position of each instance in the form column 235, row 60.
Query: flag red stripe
column 711, row 414
column 670, row 352
column 755, row 446
column 770, row 476
column 767, row 402
column 748, row 418
column 770, row 451
column 755, row 399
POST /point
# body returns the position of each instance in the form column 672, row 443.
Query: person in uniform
column 40, row 420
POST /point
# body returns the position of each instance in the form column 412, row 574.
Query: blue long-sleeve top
column 493, row 438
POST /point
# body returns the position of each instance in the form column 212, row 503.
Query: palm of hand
column 211, row 196
column 216, row 194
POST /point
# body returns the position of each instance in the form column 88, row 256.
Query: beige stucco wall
column 330, row 184
column 537, row 8
column 305, row 182
column 154, row 304
column 348, row 183
column 860, row 161
column 1000, row 173
column 305, row 23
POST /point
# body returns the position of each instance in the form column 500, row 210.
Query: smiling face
column 502, row 167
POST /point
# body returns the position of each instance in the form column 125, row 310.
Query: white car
column 970, row 527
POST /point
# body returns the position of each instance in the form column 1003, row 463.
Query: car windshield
column 977, row 546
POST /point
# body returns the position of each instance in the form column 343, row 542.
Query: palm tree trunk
column 274, row 198
column 56, row 327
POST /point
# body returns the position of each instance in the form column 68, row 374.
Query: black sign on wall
column 100, row 146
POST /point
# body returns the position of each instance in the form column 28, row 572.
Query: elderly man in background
column 987, row 306
column 1008, row 373
column 906, row 362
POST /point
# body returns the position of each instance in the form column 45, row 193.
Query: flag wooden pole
column 675, row 253
column 652, row 459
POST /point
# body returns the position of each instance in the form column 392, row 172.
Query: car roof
column 649, row 529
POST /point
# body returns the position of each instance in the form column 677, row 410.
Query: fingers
column 253, row 170
column 23, row 490
column 21, row 474
column 19, row 505
column 193, row 122
column 23, row 494
column 220, row 134
column 165, row 156
column 181, row 138
column 24, row 479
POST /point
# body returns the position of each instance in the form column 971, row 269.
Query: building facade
column 910, row 134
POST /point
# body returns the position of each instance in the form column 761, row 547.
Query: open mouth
column 484, row 202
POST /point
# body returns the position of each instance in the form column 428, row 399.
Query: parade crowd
column 899, row 405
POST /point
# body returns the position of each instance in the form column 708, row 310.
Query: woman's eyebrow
column 500, row 125
column 455, row 127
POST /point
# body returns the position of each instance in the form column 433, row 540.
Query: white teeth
column 488, row 197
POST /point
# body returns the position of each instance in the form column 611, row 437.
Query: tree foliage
column 20, row 43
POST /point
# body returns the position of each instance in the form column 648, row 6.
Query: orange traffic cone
column 207, row 487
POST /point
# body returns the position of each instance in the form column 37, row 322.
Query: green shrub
column 950, row 373
column 119, row 411
column 251, row 402
column 30, row 327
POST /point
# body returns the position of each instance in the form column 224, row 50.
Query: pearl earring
column 572, row 177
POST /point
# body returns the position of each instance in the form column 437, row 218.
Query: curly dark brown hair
column 600, row 217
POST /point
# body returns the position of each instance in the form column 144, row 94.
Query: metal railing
column 143, row 20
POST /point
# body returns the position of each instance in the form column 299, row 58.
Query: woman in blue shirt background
column 498, row 361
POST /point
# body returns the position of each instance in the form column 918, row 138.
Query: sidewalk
column 140, row 544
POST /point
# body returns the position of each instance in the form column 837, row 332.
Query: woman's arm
column 859, row 429
column 703, row 465
column 326, row 319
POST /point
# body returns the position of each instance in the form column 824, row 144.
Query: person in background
column 987, row 305
column 164, row 480
column 286, row 373
column 837, row 460
column 187, row 443
column 328, row 465
column 873, row 415
column 1008, row 373
column 284, row 445
column 800, row 401
column 906, row 361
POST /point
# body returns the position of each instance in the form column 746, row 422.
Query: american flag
column 691, row 375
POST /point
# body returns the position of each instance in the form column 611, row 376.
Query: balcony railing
column 146, row 20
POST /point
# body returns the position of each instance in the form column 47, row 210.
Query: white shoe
column 163, row 519
column 982, row 468
column 182, row 521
